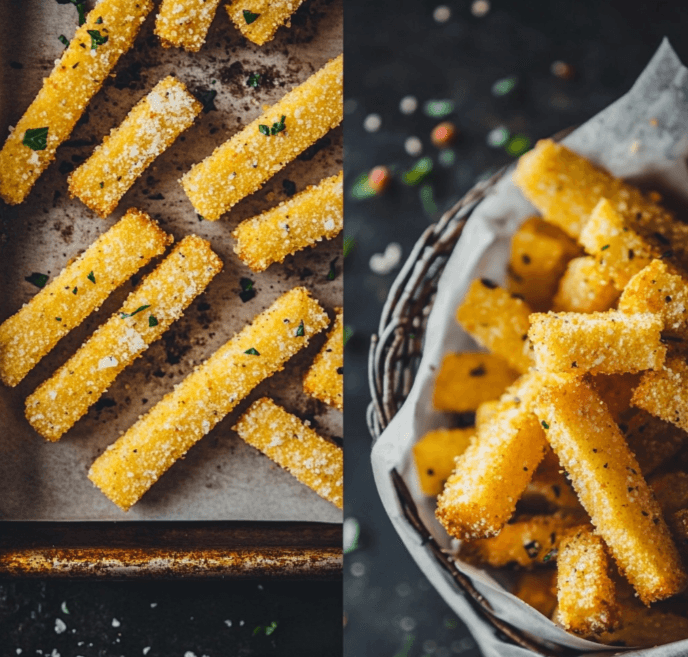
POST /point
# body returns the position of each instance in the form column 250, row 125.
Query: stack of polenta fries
column 576, row 469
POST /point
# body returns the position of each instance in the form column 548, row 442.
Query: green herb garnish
column 300, row 331
column 249, row 16
column 252, row 352
column 63, row 40
column 152, row 320
column 97, row 39
column 99, row 20
column 605, row 247
column 254, row 80
column 36, row 139
column 138, row 310
column 549, row 555
column 92, row 277
column 75, row 290
column 264, row 130
column 544, row 424
column 39, row 280
column 247, row 292
column 59, row 319
column 81, row 8
column 270, row 628
column 278, row 126
column 348, row 332
column 349, row 243
column 102, row 184
column 333, row 270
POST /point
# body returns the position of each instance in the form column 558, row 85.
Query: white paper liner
column 622, row 139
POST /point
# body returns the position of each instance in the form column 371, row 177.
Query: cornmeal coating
column 66, row 92
column 492, row 474
column 665, row 393
column 485, row 411
column 185, row 23
column 130, row 466
column 656, row 289
column 497, row 320
column 147, row 131
column 434, row 455
column 611, row 488
column 312, row 215
column 58, row 403
column 586, row 594
column 585, row 287
column 294, row 446
column 242, row 164
column 525, row 542
column 72, row 296
column 600, row 343
column 466, row 380
column 325, row 377
column 271, row 15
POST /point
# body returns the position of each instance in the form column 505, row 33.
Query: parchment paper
column 221, row 478
column 622, row 139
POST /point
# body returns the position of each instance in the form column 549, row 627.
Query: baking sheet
column 221, row 477
column 641, row 137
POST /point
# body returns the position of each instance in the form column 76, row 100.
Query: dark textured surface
column 395, row 49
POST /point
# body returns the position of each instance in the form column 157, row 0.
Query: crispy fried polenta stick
column 586, row 594
column 491, row 475
column 585, row 287
column 79, row 289
column 258, row 20
column 314, row 214
column 434, row 455
column 466, row 380
column 499, row 321
column 314, row 461
column 600, row 343
column 129, row 467
column 76, row 78
column 325, row 377
column 665, row 393
column 242, row 164
column 485, row 411
column 146, row 132
column 611, row 488
column 538, row 588
column 185, row 23
column 161, row 298
column 640, row 626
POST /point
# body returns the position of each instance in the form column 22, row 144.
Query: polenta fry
column 147, row 131
column 76, row 78
column 282, row 437
column 665, row 393
column 325, row 377
column 242, row 164
column 161, row 298
column 185, row 23
column 76, row 292
column 130, row 466
column 585, row 287
column 435, row 453
column 258, row 20
column 314, row 214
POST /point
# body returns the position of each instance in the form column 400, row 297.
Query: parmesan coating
column 611, row 488
column 66, row 92
column 185, row 23
column 325, row 377
column 271, row 15
column 466, row 380
column 485, row 411
column 655, row 289
column 130, row 466
column 147, row 131
column 242, row 164
column 294, row 446
column 665, row 393
column 600, row 343
column 314, row 214
column 434, row 455
column 585, row 592
column 585, row 287
column 497, row 320
column 491, row 475
column 68, row 299
column 163, row 295
column 525, row 542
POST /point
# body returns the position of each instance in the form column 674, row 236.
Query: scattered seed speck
column 441, row 14
column 408, row 104
column 241, row 623
column 154, row 605
column 372, row 123
column 115, row 623
column 413, row 146
column 60, row 626
column 228, row 623
column 146, row 650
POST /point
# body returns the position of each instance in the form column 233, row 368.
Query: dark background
column 394, row 49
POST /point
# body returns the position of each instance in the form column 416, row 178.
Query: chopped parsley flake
column 152, row 320
column 252, row 352
column 102, row 184
column 75, row 290
column 549, row 555
column 544, row 424
column 36, row 139
column 254, row 80
column 99, row 20
column 92, row 277
column 271, row 628
column 349, row 243
column 59, row 319
column 348, row 332
column 264, row 130
column 247, row 292
column 277, row 127
column 249, row 16
column 605, row 247
column 39, row 280
column 333, row 270
column 246, row 284
column 63, row 40
column 138, row 310
column 207, row 99
column 300, row 331
column 97, row 39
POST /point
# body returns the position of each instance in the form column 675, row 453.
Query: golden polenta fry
column 665, row 393
column 655, row 289
column 586, row 594
column 538, row 588
column 66, row 92
column 585, row 287
column 485, row 411
column 146, row 132
column 466, row 380
column 242, row 164
column 497, row 320
column 325, row 377
column 611, row 488
column 434, row 455
column 130, row 466
column 282, row 437
column 258, row 20
column 525, row 542
column 58, row 403
column 643, row 627
column 314, row 214
column 76, row 292
column 185, row 23
column 600, row 343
